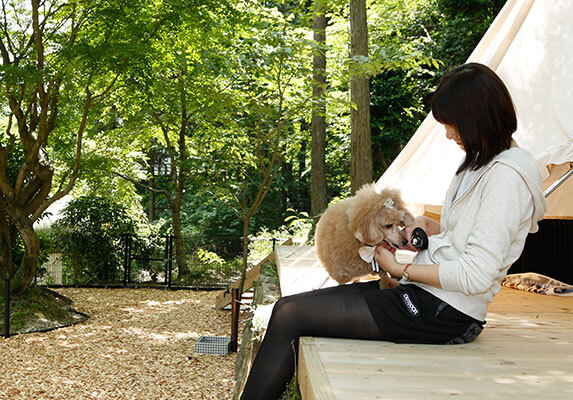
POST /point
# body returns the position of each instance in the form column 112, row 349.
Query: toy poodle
column 348, row 232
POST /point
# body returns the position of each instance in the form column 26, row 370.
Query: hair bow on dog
column 367, row 254
column 389, row 203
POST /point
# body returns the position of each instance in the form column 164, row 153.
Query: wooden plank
column 420, row 356
column 299, row 270
column 310, row 365
column 224, row 297
column 490, row 342
column 397, row 368
column 518, row 301
column 433, row 215
column 348, row 387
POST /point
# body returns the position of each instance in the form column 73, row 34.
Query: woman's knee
column 287, row 310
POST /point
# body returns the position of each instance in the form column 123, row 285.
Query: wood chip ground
column 137, row 345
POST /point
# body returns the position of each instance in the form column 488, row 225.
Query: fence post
column 170, row 262
column 130, row 258
column 7, row 308
column 166, row 260
column 235, row 307
column 127, row 260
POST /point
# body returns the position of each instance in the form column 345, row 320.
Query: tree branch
column 38, row 33
column 106, row 91
column 144, row 186
column 77, row 157
column 4, row 51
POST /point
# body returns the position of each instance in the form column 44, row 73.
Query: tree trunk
column 245, row 263
column 318, row 198
column 178, row 241
column 361, row 152
column 25, row 274
column 151, row 183
column 6, row 267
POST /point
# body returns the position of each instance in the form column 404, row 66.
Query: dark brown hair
column 474, row 100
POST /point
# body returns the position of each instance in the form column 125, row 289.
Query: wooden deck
column 525, row 352
column 299, row 270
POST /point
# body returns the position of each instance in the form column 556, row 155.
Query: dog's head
column 376, row 216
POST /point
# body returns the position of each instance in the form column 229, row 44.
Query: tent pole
column 558, row 182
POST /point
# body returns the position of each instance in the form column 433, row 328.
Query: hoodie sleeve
column 503, row 216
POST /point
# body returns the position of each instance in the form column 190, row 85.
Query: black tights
column 339, row 311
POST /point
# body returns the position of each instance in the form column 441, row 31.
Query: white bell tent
column 530, row 45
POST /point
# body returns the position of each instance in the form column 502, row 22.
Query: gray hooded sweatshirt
column 483, row 230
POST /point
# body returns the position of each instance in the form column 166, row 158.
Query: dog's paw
column 387, row 282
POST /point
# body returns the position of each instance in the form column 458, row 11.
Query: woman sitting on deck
column 494, row 200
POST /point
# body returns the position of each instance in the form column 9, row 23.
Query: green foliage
column 209, row 257
column 90, row 234
column 239, row 70
column 206, row 217
column 206, row 273
column 462, row 25
column 437, row 34
column 396, row 110
column 296, row 227
column 292, row 391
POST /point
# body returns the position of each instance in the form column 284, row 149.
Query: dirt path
column 137, row 344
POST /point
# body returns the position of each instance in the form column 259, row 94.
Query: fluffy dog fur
column 362, row 220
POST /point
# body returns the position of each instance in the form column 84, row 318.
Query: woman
column 494, row 200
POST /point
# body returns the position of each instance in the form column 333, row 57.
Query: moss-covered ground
column 37, row 309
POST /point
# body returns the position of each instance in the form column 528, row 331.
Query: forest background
column 207, row 119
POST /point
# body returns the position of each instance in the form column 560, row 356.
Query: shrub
column 90, row 235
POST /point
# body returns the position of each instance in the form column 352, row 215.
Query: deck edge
column 312, row 378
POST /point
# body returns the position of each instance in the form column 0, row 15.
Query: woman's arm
column 502, row 220
column 505, row 204
column 427, row 224
column 428, row 274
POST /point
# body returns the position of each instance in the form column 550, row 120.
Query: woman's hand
column 384, row 256
column 429, row 226
column 428, row 274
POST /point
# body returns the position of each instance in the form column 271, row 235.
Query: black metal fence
column 151, row 259
column 142, row 261
column 7, row 307
column 149, row 262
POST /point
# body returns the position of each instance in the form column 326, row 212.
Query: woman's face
column 452, row 134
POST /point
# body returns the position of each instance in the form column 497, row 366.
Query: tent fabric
column 529, row 46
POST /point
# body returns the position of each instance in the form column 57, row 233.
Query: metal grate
column 213, row 345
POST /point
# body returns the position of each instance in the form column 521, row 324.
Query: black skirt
column 410, row 314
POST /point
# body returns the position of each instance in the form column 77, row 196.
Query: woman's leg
column 339, row 311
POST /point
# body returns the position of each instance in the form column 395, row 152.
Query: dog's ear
column 359, row 236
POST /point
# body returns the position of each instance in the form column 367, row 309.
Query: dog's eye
column 388, row 226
